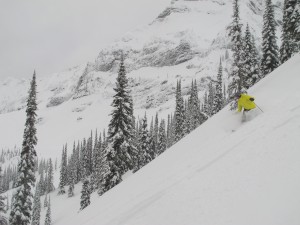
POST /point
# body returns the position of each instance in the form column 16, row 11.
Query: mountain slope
column 184, row 42
column 225, row 172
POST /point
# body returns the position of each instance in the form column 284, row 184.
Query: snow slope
column 225, row 172
column 185, row 42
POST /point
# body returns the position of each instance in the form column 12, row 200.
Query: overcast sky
column 52, row 35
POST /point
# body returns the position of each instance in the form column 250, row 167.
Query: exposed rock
column 55, row 101
column 168, row 11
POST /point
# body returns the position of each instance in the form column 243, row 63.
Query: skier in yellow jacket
column 245, row 101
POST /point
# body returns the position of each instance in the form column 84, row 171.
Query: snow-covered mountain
column 185, row 41
column 226, row 172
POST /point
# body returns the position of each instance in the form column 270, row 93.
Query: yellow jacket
column 245, row 102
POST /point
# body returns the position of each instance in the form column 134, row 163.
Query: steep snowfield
column 226, row 172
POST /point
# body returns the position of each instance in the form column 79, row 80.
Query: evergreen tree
column 270, row 58
column 121, row 154
column 255, row 62
column 235, row 79
column 41, row 184
column 295, row 27
column 172, row 130
column 71, row 190
column 179, row 114
column 22, row 205
column 218, row 98
column 48, row 214
column 7, row 203
column 155, row 135
column 72, row 172
column 36, row 212
column 89, row 149
column 85, row 159
column 250, row 64
column 77, row 164
column 194, row 107
column 96, row 151
column 188, row 116
column 286, row 49
column 50, row 186
column 162, row 139
column 169, row 132
column 210, row 98
column 71, row 176
column 151, row 130
column 102, row 165
column 46, row 201
column 85, row 194
column 63, row 172
column 290, row 29
column 3, row 219
column 144, row 155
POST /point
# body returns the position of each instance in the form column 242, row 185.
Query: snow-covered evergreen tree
column 172, row 130
column 270, row 56
column 85, row 194
column 295, row 27
column 46, row 201
column 162, row 139
column 155, row 134
column 286, row 48
column 218, row 98
column 22, row 205
column 102, row 165
column 50, row 185
column 168, row 131
column 77, row 164
column 71, row 176
column 120, row 154
column 48, row 214
column 3, row 219
column 210, row 98
column 187, row 116
column 235, row 78
column 89, row 152
column 251, row 72
column 179, row 114
column 194, row 106
column 63, row 172
column 36, row 212
column 255, row 58
column 96, row 151
column 144, row 154
column 290, row 29
column 41, row 184
column 72, row 172
column 85, row 159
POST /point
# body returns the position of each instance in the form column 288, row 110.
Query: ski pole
column 258, row 107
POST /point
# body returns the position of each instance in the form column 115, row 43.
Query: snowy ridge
column 225, row 172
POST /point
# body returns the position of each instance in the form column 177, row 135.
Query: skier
column 245, row 102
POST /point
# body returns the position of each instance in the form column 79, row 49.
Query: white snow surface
column 224, row 173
